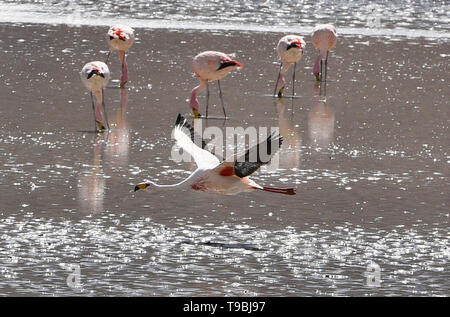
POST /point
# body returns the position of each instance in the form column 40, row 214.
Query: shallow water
column 368, row 157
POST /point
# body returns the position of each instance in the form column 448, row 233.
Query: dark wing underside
column 257, row 156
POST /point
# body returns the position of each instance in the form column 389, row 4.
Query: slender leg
column 221, row 100
column 321, row 74
column 93, row 109
column 293, row 81
column 278, row 78
column 207, row 98
column 326, row 66
column 107, row 57
column 104, row 109
column 124, row 77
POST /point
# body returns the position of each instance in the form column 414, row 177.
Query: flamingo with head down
column 95, row 77
column 290, row 50
column 210, row 66
column 121, row 37
column 324, row 38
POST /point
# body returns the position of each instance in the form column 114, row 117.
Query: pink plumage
column 324, row 38
column 210, row 66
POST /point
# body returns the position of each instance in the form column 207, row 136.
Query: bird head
column 144, row 185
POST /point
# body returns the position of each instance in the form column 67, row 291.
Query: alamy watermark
column 373, row 275
column 74, row 276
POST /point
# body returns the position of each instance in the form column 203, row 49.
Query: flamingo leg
column 278, row 78
column 293, row 80
column 321, row 68
column 93, row 110
column 104, row 109
column 107, row 58
column 326, row 66
column 124, row 77
column 207, row 98
column 221, row 100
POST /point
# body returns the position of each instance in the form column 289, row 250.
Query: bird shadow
column 244, row 246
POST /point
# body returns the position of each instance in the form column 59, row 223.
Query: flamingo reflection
column 320, row 121
column 91, row 182
column 117, row 148
column 290, row 155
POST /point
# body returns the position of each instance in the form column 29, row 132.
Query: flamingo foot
column 100, row 126
column 281, row 92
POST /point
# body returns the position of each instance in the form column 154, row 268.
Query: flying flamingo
column 207, row 66
column 228, row 177
column 95, row 76
column 121, row 37
column 324, row 38
column 290, row 50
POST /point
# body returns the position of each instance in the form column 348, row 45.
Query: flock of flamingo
column 230, row 176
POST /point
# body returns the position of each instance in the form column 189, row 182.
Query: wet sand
column 369, row 161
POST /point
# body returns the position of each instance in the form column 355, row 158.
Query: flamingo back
column 95, row 75
column 206, row 65
column 120, row 38
column 286, row 52
column 324, row 38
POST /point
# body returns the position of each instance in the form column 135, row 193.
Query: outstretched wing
column 252, row 160
column 185, row 136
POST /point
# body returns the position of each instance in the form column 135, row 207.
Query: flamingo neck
column 123, row 59
column 193, row 103
column 98, row 107
column 170, row 186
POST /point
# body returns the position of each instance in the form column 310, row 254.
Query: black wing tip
column 179, row 119
column 182, row 122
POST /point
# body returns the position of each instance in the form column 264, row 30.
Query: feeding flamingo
column 228, row 177
column 290, row 50
column 207, row 66
column 95, row 77
column 121, row 37
column 324, row 38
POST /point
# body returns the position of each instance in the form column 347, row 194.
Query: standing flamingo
column 290, row 50
column 207, row 66
column 228, row 177
column 121, row 37
column 95, row 76
column 324, row 38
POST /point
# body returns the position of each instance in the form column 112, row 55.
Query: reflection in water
column 119, row 138
column 320, row 120
column 290, row 152
column 91, row 182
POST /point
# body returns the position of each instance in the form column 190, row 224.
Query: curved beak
column 141, row 186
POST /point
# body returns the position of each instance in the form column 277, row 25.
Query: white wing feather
column 203, row 158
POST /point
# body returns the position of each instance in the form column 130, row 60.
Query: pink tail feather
column 286, row 191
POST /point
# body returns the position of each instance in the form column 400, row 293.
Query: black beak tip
column 111, row 37
column 136, row 188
